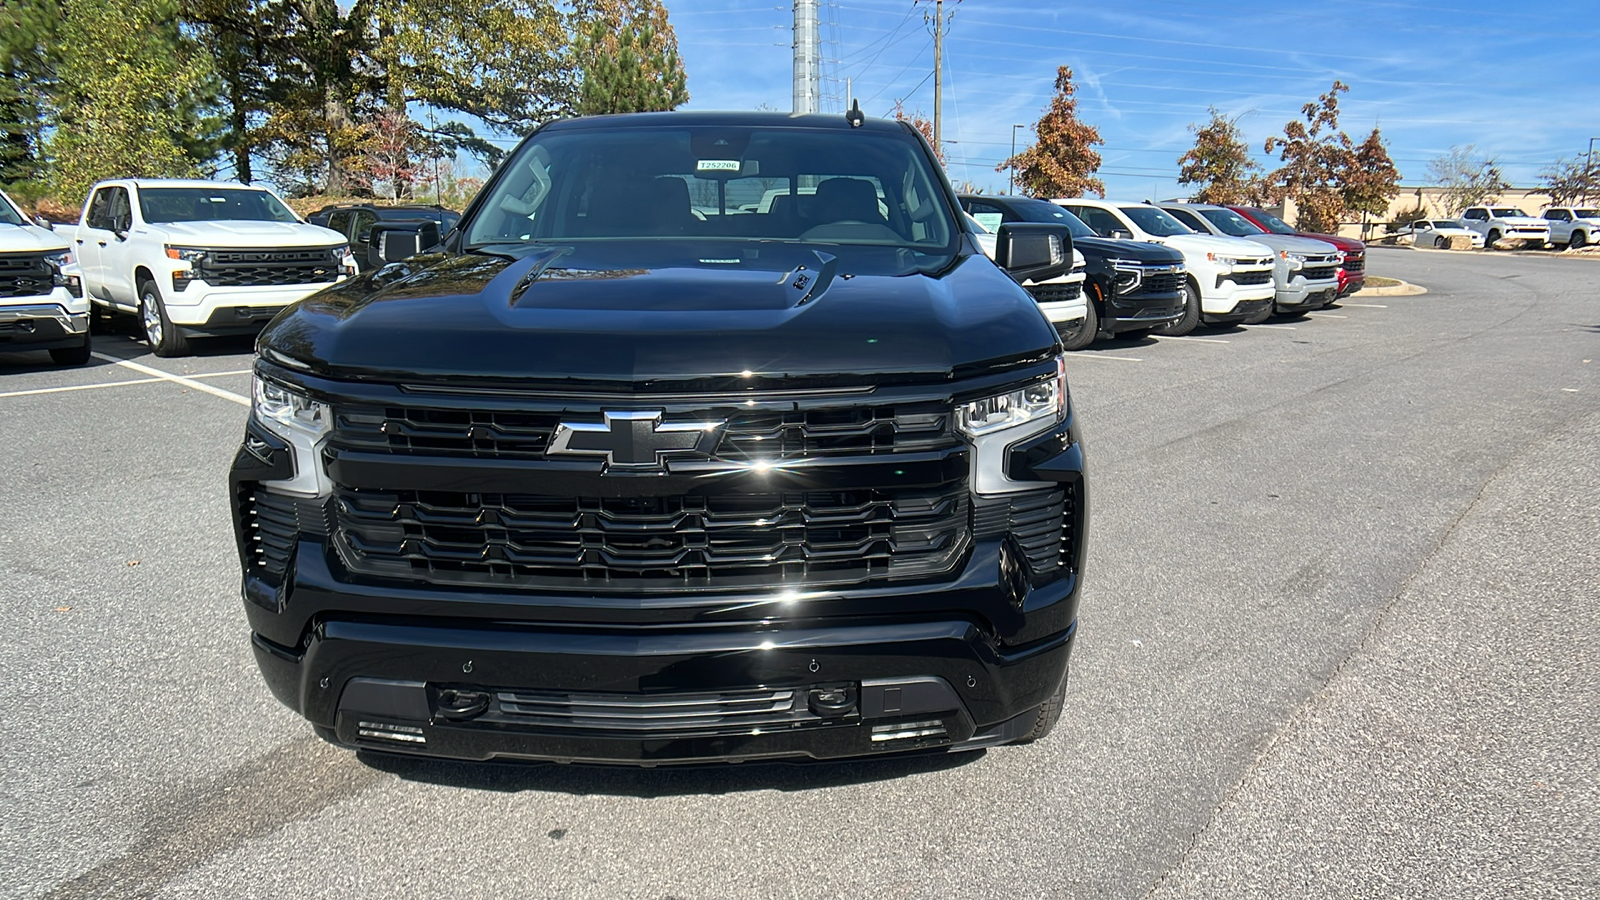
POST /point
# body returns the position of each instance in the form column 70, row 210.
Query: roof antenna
column 854, row 116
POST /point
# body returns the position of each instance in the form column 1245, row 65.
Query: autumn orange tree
column 1315, row 154
column 921, row 123
column 1369, row 180
column 1062, row 161
column 1220, row 164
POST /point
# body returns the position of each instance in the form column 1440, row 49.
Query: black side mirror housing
column 393, row 241
column 1033, row 251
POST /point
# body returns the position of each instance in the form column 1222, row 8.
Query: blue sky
column 1520, row 80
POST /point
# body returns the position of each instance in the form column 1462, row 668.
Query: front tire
column 1048, row 714
column 72, row 356
column 1087, row 329
column 1191, row 313
column 1441, row 243
column 1491, row 239
column 163, row 337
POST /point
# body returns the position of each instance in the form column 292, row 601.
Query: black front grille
column 1056, row 293
column 1159, row 283
column 1355, row 265
column 670, row 543
column 268, row 268
column 1042, row 522
column 1247, row 279
column 25, row 276
column 753, row 435
column 1320, row 273
column 679, row 715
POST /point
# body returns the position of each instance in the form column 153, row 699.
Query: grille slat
column 1041, row 522
column 747, row 436
column 726, row 712
column 268, row 267
column 1246, row 279
column 25, row 276
column 736, row 540
column 1320, row 273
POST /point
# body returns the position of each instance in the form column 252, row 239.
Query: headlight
column 187, row 254
column 337, row 254
column 287, row 411
column 1296, row 260
column 1041, row 401
column 1127, row 275
column 1227, row 261
column 59, row 258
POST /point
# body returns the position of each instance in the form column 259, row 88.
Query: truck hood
column 1294, row 244
column 30, row 239
column 245, row 234
column 680, row 324
column 1142, row 251
column 1201, row 244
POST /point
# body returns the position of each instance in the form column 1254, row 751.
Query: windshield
column 1030, row 210
column 1230, row 222
column 9, row 214
column 1154, row 221
column 734, row 183
column 1449, row 223
column 198, row 204
column 1272, row 223
column 1501, row 212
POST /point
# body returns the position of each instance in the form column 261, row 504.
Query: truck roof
column 181, row 183
column 834, row 121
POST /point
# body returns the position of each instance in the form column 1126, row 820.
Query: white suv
column 201, row 257
column 1571, row 225
column 1506, row 223
column 1229, row 281
column 42, row 306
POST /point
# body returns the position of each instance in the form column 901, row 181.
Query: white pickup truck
column 1229, row 279
column 1572, row 226
column 42, row 306
column 1506, row 223
column 200, row 257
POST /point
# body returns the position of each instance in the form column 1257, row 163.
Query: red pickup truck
column 1353, row 272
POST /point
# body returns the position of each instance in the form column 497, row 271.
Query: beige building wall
column 1529, row 200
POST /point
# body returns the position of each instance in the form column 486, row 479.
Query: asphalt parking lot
column 1337, row 641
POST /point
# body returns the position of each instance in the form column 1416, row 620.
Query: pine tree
column 631, row 62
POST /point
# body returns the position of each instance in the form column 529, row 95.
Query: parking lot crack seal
column 1305, row 711
column 185, row 829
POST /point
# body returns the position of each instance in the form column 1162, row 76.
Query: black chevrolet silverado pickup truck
column 702, row 437
column 1132, row 286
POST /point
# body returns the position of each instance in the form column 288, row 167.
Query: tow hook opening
column 460, row 703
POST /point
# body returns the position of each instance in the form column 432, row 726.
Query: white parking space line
column 112, row 384
column 1185, row 337
column 1117, row 358
column 1281, row 327
column 1366, row 305
column 1326, row 316
column 176, row 379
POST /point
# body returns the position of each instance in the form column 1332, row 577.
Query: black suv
column 703, row 437
column 1131, row 285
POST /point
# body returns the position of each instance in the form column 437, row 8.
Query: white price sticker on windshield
column 717, row 165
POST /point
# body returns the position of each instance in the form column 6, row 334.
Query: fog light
column 383, row 731
column 901, row 731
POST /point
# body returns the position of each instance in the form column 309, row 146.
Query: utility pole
column 1588, row 170
column 938, row 67
column 807, row 58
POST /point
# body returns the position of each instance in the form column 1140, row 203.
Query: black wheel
column 1191, row 312
column 1577, row 239
column 1084, row 331
column 1492, row 239
column 1049, row 713
column 72, row 356
column 163, row 337
column 1441, row 242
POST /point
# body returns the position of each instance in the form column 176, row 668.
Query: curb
column 1552, row 254
column 1403, row 289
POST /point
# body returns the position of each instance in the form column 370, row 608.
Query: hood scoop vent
column 808, row 282
column 524, row 272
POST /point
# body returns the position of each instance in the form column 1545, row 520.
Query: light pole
column 1588, row 170
column 1011, row 182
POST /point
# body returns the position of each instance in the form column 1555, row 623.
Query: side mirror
column 42, row 222
column 1033, row 251
column 391, row 242
column 1121, row 235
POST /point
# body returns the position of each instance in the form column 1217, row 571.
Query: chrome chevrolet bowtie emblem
column 636, row 439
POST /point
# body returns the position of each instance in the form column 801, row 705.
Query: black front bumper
column 912, row 686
